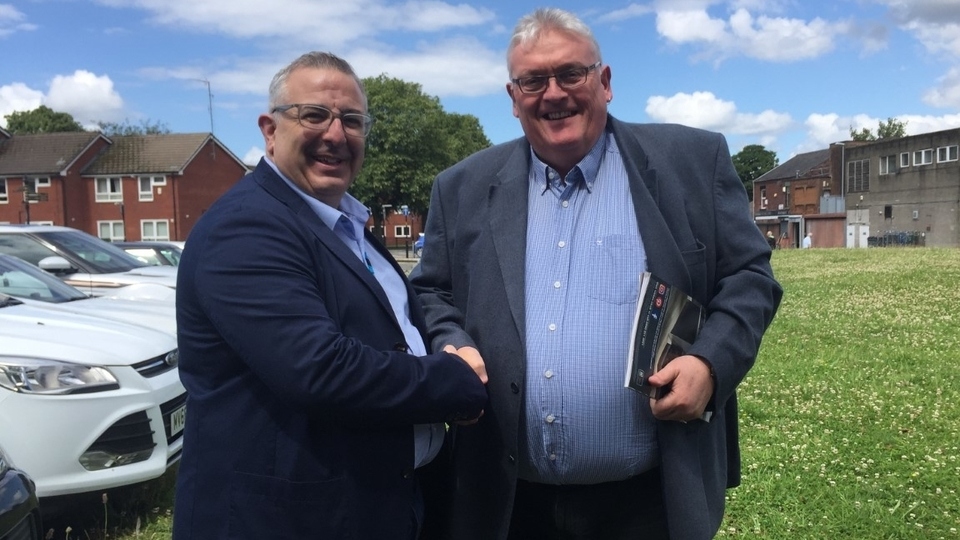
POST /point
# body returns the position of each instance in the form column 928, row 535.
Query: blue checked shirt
column 348, row 223
column 584, row 259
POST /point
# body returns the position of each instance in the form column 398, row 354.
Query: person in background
column 807, row 241
column 771, row 240
column 314, row 402
column 535, row 255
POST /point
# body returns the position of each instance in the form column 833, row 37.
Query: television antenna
column 209, row 101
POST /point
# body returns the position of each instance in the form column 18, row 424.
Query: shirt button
column 551, row 418
column 556, row 284
column 565, row 204
column 548, row 374
column 552, row 327
column 561, row 243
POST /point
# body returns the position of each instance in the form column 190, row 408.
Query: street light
column 383, row 209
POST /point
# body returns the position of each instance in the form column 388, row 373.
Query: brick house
column 135, row 187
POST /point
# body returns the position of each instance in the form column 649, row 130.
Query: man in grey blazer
column 536, row 246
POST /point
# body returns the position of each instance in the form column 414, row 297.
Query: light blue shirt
column 348, row 222
column 583, row 263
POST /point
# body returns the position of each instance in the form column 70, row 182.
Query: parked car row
column 90, row 395
column 88, row 263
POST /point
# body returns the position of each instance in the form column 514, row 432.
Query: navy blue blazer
column 694, row 218
column 301, row 393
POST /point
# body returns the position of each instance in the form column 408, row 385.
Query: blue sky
column 792, row 75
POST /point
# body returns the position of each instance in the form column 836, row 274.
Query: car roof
column 23, row 227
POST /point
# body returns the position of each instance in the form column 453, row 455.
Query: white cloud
column 947, row 91
column 87, row 97
column 13, row 20
column 774, row 39
column 319, row 23
column 253, row 155
column 937, row 38
column 630, row 12
column 18, row 97
column 704, row 110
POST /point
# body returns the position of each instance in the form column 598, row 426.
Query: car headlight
column 53, row 377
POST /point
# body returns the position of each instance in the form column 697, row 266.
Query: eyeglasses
column 570, row 78
column 319, row 118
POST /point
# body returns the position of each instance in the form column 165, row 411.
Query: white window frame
column 888, row 165
column 114, row 230
column 904, row 159
column 152, row 234
column 145, row 196
column 401, row 231
column 4, row 193
column 923, row 157
column 158, row 180
column 108, row 194
column 946, row 154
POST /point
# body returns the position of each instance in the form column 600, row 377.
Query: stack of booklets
column 666, row 323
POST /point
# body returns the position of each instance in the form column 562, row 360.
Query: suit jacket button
column 408, row 473
column 400, row 347
column 515, row 388
column 511, row 459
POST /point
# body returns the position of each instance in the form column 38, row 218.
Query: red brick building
column 135, row 187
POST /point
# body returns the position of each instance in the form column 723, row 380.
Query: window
column 4, row 198
column 147, row 184
column 111, row 231
column 401, row 231
column 763, row 198
column 888, row 164
column 109, row 190
column 923, row 157
column 154, row 229
column 31, row 185
column 904, row 159
column 888, row 212
column 946, row 153
column 858, row 176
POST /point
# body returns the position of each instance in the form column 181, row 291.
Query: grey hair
column 531, row 26
column 315, row 60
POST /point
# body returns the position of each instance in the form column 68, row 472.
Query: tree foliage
column 891, row 129
column 145, row 127
column 412, row 140
column 43, row 119
column 753, row 162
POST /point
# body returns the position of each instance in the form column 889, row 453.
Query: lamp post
column 383, row 209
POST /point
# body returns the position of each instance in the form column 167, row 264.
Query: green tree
column 891, row 129
column 43, row 119
column 145, row 127
column 753, row 162
column 412, row 140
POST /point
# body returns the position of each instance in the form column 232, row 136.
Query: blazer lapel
column 663, row 256
column 508, row 223
column 279, row 189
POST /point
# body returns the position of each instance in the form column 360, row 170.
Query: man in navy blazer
column 536, row 247
column 312, row 399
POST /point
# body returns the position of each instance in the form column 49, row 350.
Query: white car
column 146, row 304
column 88, row 263
column 87, row 403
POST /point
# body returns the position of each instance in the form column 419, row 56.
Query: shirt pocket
column 617, row 261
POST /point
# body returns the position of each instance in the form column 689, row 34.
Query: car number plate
column 177, row 420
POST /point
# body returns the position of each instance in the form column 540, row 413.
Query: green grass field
column 850, row 420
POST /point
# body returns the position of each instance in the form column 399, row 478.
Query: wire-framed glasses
column 319, row 118
column 570, row 78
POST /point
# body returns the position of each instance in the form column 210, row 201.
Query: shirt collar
column 351, row 213
column 547, row 177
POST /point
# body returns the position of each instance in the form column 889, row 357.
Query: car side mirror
column 56, row 265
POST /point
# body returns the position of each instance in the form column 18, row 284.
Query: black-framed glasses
column 570, row 78
column 319, row 118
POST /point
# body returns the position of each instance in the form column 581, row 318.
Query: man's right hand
column 473, row 359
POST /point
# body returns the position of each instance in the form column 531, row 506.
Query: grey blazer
column 698, row 234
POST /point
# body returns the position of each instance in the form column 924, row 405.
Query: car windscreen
column 23, row 280
column 99, row 255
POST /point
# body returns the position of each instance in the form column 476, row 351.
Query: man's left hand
column 689, row 392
